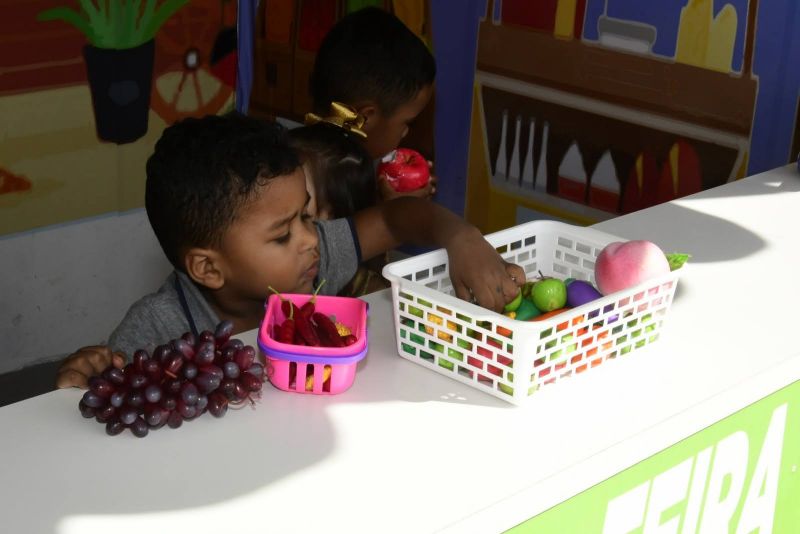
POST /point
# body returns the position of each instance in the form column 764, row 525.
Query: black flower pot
column 120, row 82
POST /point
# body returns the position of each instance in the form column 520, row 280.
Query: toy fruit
column 526, row 311
column 549, row 294
column 545, row 316
column 676, row 260
column 623, row 265
column 580, row 292
column 326, row 374
column 527, row 287
column 514, row 304
column 405, row 170
column 569, row 349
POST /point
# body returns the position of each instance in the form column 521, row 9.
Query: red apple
column 405, row 170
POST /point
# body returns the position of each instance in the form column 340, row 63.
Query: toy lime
column 527, row 288
column 514, row 304
column 549, row 294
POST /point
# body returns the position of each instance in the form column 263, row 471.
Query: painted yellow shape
column 640, row 170
column 722, row 39
column 742, row 171
column 412, row 13
column 476, row 208
column 693, row 32
column 674, row 155
column 565, row 18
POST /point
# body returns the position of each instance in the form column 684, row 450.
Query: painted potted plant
column 119, row 59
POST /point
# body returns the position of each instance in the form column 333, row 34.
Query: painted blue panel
column 246, row 20
column 777, row 55
column 455, row 34
column 594, row 9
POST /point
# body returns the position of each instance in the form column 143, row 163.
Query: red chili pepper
column 324, row 338
column 287, row 329
column 349, row 339
column 308, row 308
column 301, row 323
column 298, row 339
column 327, row 326
column 306, row 330
column 288, row 307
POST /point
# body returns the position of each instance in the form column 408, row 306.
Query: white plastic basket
column 513, row 359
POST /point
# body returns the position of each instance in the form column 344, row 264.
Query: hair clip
column 342, row 116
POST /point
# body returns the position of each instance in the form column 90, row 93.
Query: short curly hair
column 203, row 170
column 370, row 55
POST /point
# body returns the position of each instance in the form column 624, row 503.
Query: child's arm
column 476, row 269
column 84, row 363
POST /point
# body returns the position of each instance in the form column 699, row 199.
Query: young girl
column 340, row 175
column 340, row 178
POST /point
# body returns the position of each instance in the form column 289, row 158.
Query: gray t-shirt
column 158, row 317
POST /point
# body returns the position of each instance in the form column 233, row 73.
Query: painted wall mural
column 587, row 109
column 87, row 87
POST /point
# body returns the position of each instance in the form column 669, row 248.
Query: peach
column 623, row 265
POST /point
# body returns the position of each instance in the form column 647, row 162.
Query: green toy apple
column 549, row 294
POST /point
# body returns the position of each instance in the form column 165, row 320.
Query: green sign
column 739, row 476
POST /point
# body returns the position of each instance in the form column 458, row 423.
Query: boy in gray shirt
column 226, row 198
column 179, row 304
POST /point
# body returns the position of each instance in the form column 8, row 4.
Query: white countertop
column 408, row 450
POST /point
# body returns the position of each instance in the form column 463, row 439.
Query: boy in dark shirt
column 373, row 63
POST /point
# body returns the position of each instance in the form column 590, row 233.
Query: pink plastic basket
column 302, row 369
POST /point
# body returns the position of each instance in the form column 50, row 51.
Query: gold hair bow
column 342, row 116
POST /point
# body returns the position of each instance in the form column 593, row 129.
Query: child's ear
column 204, row 267
column 369, row 110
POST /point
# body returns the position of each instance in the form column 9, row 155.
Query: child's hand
column 386, row 191
column 86, row 362
column 433, row 182
column 479, row 274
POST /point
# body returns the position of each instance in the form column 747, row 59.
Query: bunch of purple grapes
column 180, row 381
